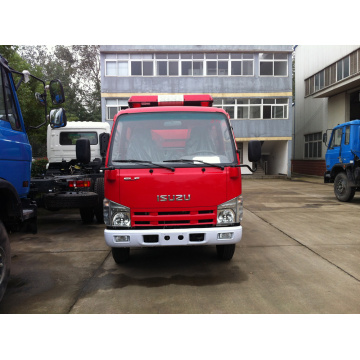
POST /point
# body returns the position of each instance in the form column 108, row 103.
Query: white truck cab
column 61, row 143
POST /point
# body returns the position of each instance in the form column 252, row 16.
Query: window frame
column 345, row 67
column 273, row 60
column 251, row 104
column 121, row 104
column 312, row 144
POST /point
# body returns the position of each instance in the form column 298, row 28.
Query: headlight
column 230, row 212
column 226, row 216
column 116, row 214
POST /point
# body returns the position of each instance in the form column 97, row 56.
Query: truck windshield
column 172, row 136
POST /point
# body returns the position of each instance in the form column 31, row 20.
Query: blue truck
column 17, row 211
column 343, row 159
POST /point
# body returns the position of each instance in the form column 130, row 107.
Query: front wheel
column 120, row 255
column 5, row 260
column 342, row 190
column 225, row 252
column 87, row 215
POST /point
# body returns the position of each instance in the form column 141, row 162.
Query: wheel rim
column 340, row 186
column 2, row 265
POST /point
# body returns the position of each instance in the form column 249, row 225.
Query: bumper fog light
column 225, row 236
column 121, row 238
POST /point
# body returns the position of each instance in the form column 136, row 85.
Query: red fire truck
column 173, row 176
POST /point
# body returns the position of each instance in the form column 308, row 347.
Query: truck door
column 333, row 154
column 15, row 150
column 346, row 154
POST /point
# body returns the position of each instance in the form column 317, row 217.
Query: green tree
column 82, row 64
column 78, row 68
column 32, row 112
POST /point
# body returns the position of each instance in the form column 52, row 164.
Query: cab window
column 347, row 135
column 8, row 110
column 70, row 138
column 336, row 138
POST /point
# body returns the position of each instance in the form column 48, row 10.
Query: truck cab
column 61, row 143
column 15, row 149
column 343, row 160
column 173, row 176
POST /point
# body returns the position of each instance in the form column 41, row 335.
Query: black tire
column 225, row 252
column 99, row 189
column 342, row 190
column 120, row 255
column 70, row 200
column 87, row 215
column 5, row 259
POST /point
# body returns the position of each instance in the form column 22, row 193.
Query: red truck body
column 172, row 177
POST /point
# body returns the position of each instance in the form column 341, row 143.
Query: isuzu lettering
column 173, row 177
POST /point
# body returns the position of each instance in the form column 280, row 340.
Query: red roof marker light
column 137, row 101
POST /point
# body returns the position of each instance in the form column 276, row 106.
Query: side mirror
column 83, row 152
column 56, row 92
column 104, row 142
column 254, row 151
column 58, row 118
column 325, row 138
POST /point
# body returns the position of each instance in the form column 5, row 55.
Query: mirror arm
column 46, row 116
column 39, row 126
column 19, row 83
column 247, row 166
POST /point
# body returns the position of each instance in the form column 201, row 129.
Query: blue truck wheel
column 342, row 190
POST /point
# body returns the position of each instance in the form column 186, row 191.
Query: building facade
column 252, row 83
column 327, row 93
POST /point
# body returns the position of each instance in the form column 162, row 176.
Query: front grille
column 169, row 217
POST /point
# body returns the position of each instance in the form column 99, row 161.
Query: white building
column 327, row 93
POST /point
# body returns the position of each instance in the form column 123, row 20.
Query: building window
column 343, row 68
column 242, row 64
column 254, row 108
column 167, row 64
column 116, row 68
column 113, row 106
column 273, row 64
column 320, row 80
column 313, row 145
column 180, row 64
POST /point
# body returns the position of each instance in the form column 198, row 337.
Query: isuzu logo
column 173, row 197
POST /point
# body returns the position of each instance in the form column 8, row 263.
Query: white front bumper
column 171, row 237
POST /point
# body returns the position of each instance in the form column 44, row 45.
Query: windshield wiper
column 193, row 162
column 144, row 162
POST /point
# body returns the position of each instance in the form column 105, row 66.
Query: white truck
column 73, row 178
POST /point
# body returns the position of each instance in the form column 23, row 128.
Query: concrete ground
column 299, row 255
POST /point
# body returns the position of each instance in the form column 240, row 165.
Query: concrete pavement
column 299, row 255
